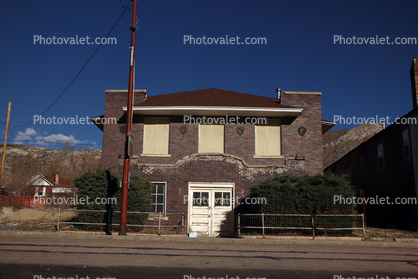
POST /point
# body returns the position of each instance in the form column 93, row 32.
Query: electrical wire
column 126, row 8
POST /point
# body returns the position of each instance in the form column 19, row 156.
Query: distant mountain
column 337, row 143
column 68, row 161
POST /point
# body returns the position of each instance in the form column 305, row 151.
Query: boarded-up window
column 211, row 138
column 267, row 139
column 156, row 136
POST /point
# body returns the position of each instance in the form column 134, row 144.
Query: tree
column 103, row 185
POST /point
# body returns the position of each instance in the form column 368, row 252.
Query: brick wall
column 236, row 165
column 310, row 144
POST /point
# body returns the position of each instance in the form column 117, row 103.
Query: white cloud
column 25, row 137
column 30, row 136
column 58, row 138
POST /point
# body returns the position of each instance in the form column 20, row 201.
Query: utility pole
column 128, row 138
column 5, row 141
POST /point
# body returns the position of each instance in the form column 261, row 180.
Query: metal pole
column 239, row 225
column 364, row 209
column 59, row 214
column 5, row 142
column 159, row 224
column 364, row 231
column 126, row 163
column 262, row 221
column 313, row 225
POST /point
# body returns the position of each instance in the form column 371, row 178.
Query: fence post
column 262, row 221
column 364, row 231
column 59, row 214
column 159, row 224
column 239, row 225
column 313, row 226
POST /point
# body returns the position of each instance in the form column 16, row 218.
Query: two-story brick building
column 201, row 149
column 386, row 166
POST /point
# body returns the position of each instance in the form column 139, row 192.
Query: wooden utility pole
column 128, row 137
column 5, row 142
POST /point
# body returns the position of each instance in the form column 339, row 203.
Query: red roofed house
column 43, row 184
column 202, row 148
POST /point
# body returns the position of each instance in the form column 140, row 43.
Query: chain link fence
column 301, row 224
column 108, row 221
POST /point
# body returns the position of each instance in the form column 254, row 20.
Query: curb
column 268, row 241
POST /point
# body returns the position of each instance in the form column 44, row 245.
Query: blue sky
column 300, row 55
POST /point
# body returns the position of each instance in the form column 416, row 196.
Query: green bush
column 104, row 184
column 302, row 195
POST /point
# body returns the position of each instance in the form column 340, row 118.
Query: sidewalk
column 281, row 241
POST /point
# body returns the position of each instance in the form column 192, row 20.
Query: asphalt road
column 37, row 256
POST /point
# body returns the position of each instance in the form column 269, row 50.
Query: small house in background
column 386, row 167
column 203, row 150
column 43, row 184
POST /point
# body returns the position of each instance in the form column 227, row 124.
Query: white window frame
column 154, row 195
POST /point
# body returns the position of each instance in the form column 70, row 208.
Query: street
column 49, row 255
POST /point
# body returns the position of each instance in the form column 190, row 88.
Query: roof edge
column 301, row 93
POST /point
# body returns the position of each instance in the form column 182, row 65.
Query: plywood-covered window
column 156, row 135
column 267, row 139
column 211, row 138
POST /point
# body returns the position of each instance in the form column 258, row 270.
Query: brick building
column 199, row 144
column 385, row 166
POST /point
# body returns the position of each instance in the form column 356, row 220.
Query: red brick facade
column 235, row 165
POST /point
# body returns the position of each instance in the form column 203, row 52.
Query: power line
column 126, row 7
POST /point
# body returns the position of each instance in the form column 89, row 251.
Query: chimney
column 57, row 178
column 414, row 81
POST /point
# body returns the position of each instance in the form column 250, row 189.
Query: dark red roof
column 212, row 97
column 63, row 181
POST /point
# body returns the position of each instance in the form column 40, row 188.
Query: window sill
column 156, row 155
column 268, row 157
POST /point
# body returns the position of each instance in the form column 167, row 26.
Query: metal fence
column 109, row 220
column 301, row 224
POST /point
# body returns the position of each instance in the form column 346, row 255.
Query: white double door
column 211, row 209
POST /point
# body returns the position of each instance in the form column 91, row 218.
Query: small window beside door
column 158, row 194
